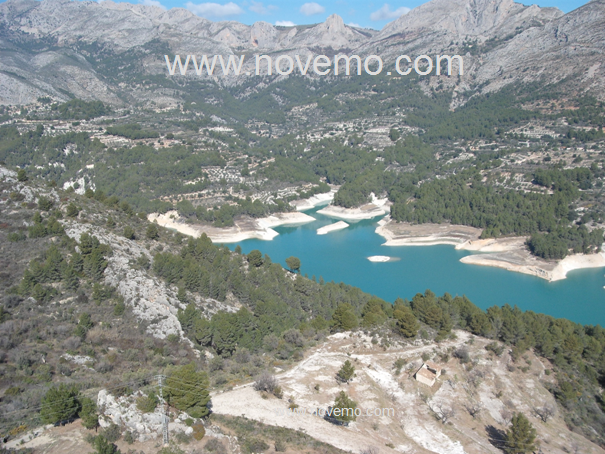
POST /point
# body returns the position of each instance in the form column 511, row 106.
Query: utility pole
column 164, row 410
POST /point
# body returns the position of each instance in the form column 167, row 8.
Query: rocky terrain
column 466, row 411
column 59, row 48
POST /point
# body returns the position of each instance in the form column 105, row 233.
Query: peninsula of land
column 245, row 228
column 377, row 207
column 509, row 253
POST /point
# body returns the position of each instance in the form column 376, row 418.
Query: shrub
column 265, row 382
column 216, row 446
column 147, row 403
column 198, row 431
column 256, row 445
column 462, row 354
column 45, row 204
column 112, row 433
column 22, row 175
column 129, row 233
column 60, row 404
column 16, row 237
column 280, row 446
column 128, row 437
column 495, row 347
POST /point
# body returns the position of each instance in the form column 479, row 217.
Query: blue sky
column 362, row 13
column 372, row 14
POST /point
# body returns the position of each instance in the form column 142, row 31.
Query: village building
column 428, row 373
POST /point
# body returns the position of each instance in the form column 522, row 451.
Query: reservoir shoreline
column 507, row 253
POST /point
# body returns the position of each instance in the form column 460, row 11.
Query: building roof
column 432, row 365
column 423, row 372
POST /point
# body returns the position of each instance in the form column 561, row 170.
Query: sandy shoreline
column 314, row 201
column 377, row 207
column 507, row 253
column 244, row 229
column 332, row 227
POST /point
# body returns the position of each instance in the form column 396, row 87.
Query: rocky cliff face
column 51, row 48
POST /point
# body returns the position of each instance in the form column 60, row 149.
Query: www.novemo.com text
column 321, row 65
column 332, row 412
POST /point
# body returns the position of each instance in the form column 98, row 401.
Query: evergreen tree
column 255, row 258
column 70, row 278
column 407, row 324
column 344, row 408
column 346, row 372
column 129, row 233
column 72, row 210
column 293, row 263
column 202, row 331
column 187, row 390
column 521, row 436
column 88, row 413
column 22, row 175
column 152, row 231
column 103, row 446
column 94, row 265
column 344, row 318
column 59, row 404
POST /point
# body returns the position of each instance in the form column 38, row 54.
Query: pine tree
column 103, row 446
column 129, row 233
column 22, row 175
column 59, row 404
column 152, row 231
column 293, row 263
column 521, row 436
column 255, row 258
column 94, row 265
column 88, row 413
column 72, row 210
column 344, row 408
column 346, row 372
column 344, row 318
column 27, row 284
column 406, row 322
column 70, row 278
column 187, row 390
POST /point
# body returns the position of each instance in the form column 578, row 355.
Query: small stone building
column 428, row 373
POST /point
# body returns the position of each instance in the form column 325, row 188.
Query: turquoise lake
column 341, row 256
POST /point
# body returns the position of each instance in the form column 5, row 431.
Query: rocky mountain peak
column 471, row 18
column 263, row 35
column 335, row 24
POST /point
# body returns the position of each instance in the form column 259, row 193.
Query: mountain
column 64, row 49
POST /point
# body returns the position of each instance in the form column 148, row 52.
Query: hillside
column 62, row 49
column 96, row 297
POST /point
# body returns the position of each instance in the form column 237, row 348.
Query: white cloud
column 309, row 9
column 259, row 8
column 152, row 3
column 385, row 13
column 285, row 23
column 353, row 24
column 209, row 10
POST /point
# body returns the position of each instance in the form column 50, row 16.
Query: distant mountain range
column 89, row 50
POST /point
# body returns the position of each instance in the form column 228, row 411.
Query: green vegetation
column 187, row 390
column 464, row 199
column 346, row 372
column 343, row 409
column 131, row 131
column 76, row 109
column 60, row 405
column 521, row 436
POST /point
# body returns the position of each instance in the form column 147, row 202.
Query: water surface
column 341, row 256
